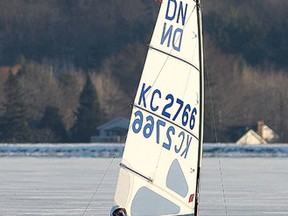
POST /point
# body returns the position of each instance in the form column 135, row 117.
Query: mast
column 201, row 64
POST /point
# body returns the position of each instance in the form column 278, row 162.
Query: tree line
column 79, row 31
column 54, row 55
column 246, row 67
column 19, row 122
column 256, row 30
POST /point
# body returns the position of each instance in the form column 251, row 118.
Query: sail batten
column 162, row 157
column 170, row 55
column 136, row 172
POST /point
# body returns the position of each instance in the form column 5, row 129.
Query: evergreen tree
column 15, row 119
column 88, row 115
column 53, row 121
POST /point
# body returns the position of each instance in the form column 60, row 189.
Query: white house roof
column 269, row 134
column 251, row 137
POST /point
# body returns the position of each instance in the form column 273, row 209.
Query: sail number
column 154, row 129
column 173, row 109
column 185, row 114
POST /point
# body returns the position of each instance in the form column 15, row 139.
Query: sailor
column 118, row 211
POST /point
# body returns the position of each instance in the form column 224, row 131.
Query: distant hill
column 56, row 43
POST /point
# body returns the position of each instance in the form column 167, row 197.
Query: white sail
column 162, row 158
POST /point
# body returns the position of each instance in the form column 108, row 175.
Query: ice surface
column 252, row 186
column 56, row 186
column 64, row 186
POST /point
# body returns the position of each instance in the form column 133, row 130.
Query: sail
column 159, row 171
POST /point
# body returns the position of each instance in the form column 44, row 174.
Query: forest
column 68, row 66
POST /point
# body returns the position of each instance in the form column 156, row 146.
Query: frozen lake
column 64, row 186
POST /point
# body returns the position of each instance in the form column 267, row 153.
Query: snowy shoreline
column 107, row 150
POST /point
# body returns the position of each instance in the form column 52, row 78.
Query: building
column 264, row 135
column 269, row 135
column 251, row 138
column 113, row 131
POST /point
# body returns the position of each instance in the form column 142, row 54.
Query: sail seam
column 141, row 108
column 173, row 56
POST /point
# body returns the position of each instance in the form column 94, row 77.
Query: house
column 252, row 138
column 113, row 131
column 269, row 135
column 264, row 135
